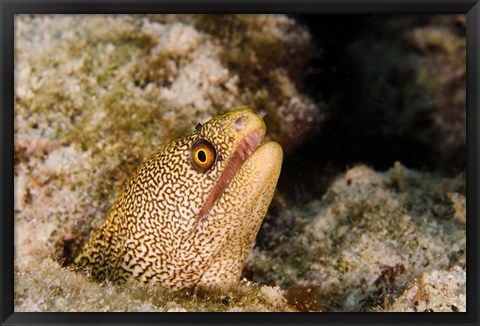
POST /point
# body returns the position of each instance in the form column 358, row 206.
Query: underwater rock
column 42, row 286
column 117, row 87
column 367, row 239
column 435, row 291
column 411, row 101
column 94, row 95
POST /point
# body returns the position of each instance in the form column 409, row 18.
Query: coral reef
column 411, row 72
column 94, row 95
column 367, row 239
column 435, row 291
column 43, row 286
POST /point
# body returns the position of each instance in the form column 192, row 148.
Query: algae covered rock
column 42, row 286
column 411, row 72
column 95, row 95
column 367, row 239
column 435, row 291
column 111, row 90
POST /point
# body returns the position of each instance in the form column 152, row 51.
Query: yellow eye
column 202, row 155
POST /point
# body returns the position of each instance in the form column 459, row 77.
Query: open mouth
column 246, row 147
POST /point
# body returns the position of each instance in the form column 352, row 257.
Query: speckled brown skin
column 166, row 228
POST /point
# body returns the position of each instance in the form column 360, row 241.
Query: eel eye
column 202, row 155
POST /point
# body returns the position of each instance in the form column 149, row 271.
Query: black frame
column 8, row 8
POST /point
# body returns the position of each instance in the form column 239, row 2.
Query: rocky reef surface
column 360, row 246
column 412, row 76
column 95, row 95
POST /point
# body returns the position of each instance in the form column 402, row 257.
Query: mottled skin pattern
column 153, row 232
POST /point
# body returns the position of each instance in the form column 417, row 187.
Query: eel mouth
column 243, row 151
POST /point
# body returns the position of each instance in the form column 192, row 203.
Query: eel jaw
column 244, row 150
column 233, row 229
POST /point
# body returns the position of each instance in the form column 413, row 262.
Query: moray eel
column 189, row 215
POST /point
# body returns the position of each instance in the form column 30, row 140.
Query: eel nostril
column 239, row 123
